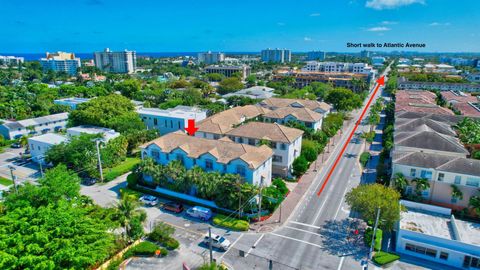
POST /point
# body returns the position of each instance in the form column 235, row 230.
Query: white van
column 202, row 213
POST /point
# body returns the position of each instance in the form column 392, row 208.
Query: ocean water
column 37, row 56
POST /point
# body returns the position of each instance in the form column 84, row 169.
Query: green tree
column 128, row 88
column 300, row 165
column 127, row 207
column 229, row 85
column 421, row 184
column 474, row 203
column 400, row 182
column 215, row 77
column 343, row 99
column 365, row 199
column 456, row 192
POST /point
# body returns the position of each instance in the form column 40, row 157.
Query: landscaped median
column 231, row 223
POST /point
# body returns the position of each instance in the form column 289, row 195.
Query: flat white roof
column 91, row 129
column 50, row 138
column 179, row 112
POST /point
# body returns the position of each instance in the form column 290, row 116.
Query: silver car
column 217, row 242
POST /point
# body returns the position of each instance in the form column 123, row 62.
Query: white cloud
column 378, row 29
column 439, row 24
column 389, row 22
column 391, row 4
column 307, row 39
column 314, row 14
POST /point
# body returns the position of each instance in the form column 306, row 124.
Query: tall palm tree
column 421, row 184
column 127, row 208
column 400, row 182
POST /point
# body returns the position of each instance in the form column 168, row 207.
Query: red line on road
column 380, row 81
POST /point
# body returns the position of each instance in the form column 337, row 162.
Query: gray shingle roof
column 430, row 140
column 424, row 124
column 462, row 165
column 424, row 160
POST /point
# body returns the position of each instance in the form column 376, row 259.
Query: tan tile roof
column 223, row 150
column 286, row 102
column 268, row 131
column 302, row 114
column 225, row 121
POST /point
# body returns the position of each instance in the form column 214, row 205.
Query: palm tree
column 475, row 204
column 127, row 208
column 421, row 184
column 456, row 192
column 400, row 182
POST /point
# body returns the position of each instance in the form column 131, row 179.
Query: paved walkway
column 375, row 148
column 287, row 207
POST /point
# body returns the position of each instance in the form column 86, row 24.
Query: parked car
column 16, row 145
column 89, row 181
column 149, row 200
column 217, row 242
column 202, row 213
column 173, row 207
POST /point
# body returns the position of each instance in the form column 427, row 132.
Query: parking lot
column 25, row 170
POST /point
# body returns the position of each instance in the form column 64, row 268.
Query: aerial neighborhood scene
column 237, row 135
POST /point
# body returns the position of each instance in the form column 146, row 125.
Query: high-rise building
column 365, row 54
column 316, row 55
column 61, row 62
column 276, row 55
column 116, row 62
column 211, row 57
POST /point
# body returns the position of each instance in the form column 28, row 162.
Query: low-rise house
column 107, row 133
column 285, row 142
column 254, row 92
column 464, row 103
column 419, row 101
column 216, row 126
column 305, row 116
column 72, row 102
column 316, row 106
column 433, row 234
column 253, row 163
column 170, row 120
column 442, row 171
column 412, row 85
column 40, row 125
column 39, row 145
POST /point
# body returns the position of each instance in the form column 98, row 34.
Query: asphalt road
column 320, row 232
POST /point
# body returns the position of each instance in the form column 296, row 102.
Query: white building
column 254, row 92
column 61, row 62
column 276, row 55
column 11, row 60
column 39, row 145
column 210, row 58
column 228, row 71
column 285, row 142
column 432, row 233
column 107, row 133
column 305, row 116
column 116, row 62
column 40, row 125
column 339, row 67
column 72, row 102
column 378, row 60
column 170, row 120
column 252, row 163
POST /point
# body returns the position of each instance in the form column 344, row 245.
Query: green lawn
column 383, row 258
column 5, row 181
column 111, row 173
column 231, row 223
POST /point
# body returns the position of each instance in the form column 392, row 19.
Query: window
column 453, row 200
column 473, row 262
column 181, row 159
column 241, row 170
column 421, row 250
column 240, row 140
column 426, row 174
column 277, row 158
column 155, row 154
column 458, row 180
column 413, row 172
column 308, row 124
column 208, row 164
column 165, row 123
column 474, row 182
column 283, row 146
column 171, row 123
column 251, row 141
column 216, row 136
column 224, row 167
column 179, row 126
column 155, row 121
column 273, row 145
column 443, row 255
column 441, row 176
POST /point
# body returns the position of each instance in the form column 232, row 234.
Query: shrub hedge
column 364, row 157
column 378, row 238
column 122, row 168
column 144, row 249
column 231, row 223
column 383, row 258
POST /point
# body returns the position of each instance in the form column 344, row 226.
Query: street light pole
column 97, row 142
column 260, row 201
column 374, row 234
column 210, row 244
column 13, row 177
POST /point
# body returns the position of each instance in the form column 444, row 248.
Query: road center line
column 295, row 239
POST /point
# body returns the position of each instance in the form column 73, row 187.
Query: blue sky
column 242, row 25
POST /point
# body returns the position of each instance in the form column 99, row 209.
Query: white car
column 217, row 242
column 149, row 200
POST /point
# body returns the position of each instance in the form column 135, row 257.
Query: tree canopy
column 343, row 99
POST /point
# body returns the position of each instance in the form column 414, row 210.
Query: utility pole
column 13, row 177
column 260, row 200
column 39, row 159
column 210, row 243
column 97, row 142
column 374, row 234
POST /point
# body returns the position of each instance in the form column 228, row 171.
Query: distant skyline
column 85, row 26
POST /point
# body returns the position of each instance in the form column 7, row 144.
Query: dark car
column 173, row 207
column 89, row 181
column 16, row 145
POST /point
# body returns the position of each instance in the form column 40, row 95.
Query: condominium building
column 316, row 55
column 461, row 102
column 419, row 101
column 39, row 145
column 276, row 55
column 316, row 106
column 285, row 142
column 40, row 125
column 252, row 163
column 61, row 62
column 11, row 60
column 433, row 234
column 72, row 102
column 339, row 67
column 304, row 78
column 228, row 71
column 172, row 119
column 403, row 83
column 210, row 58
column 116, row 62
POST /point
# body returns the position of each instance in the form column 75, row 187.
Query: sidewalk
column 288, row 205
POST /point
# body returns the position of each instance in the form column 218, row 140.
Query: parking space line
column 295, row 239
